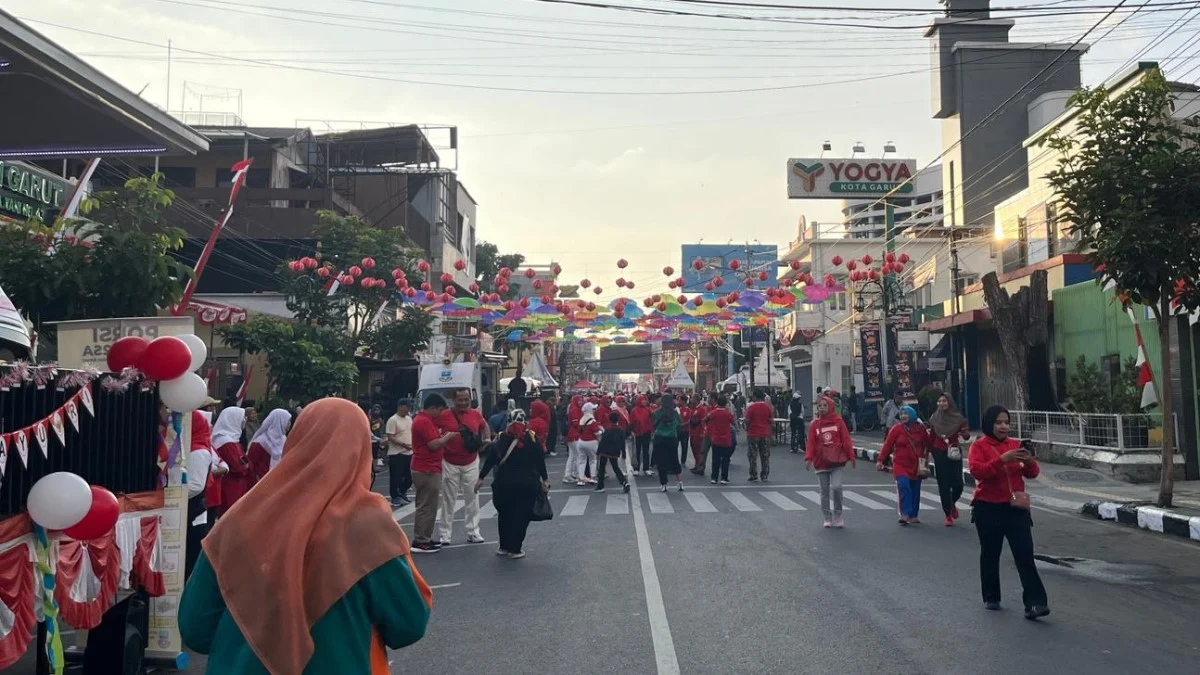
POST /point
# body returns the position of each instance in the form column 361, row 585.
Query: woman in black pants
column 1000, row 466
column 666, row 439
column 949, row 430
column 520, row 468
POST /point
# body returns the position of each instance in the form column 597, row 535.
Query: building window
column 458, row 231
column 847, row 377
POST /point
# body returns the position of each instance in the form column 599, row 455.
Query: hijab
column 989, row 420
column 229, row 426
column 589, row 413
column 946, row 424
column 327, row 530
column 201, row 432
column 516, row 426
column 913, row 417
column 273, row 433
column 830, row 409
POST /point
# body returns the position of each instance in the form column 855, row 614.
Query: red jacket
column 574, row 413
column 938, row 443
column 696, row 425
column 639, row 417
column 720, row 427
column 685, row 415
column 829, row 444
column 759, row 419
column 905, row 444
column 239, row 480
column 991, row 484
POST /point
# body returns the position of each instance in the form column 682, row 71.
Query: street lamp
column 879, row 289
column 857, row 148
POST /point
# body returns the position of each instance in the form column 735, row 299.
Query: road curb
column 1146, row 517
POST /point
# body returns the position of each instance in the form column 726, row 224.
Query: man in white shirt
column 399, row 453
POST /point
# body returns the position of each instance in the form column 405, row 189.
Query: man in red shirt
column 427, row 443
column 643, row 429
column 696, row 434
column 719, row 425
column 685, row 429
column 460, row 466
column 760, row 416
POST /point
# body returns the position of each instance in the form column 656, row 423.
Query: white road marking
column 699, row 503
column 616, row 504
column 659, row 503
column 575, row 506
column 932, row 498
column 487, row 511
column 893, row 495
column 404, row 512
column 666, row 661
column 811, row 496
column 741, row 502
column 782, row 502
column 863, row 501
column 434, row 588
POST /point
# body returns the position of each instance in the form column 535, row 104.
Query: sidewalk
column 1093, row 494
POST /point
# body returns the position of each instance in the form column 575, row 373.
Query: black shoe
column 428, row 547
column 753, row 479
column 598, row 488
column 1036, row 612
column 625, row 488
column 992, row 605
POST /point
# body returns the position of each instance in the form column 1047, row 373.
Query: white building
column 917, row 210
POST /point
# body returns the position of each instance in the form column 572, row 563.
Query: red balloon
column 460, row 265
column 529, row 273
column 837, row 260
column 126, row 352
column 668, row 271
column 165, row 358
column 735, row 264
column 697, row 264
column 368, row 263
column 100, row 519
column 622, row 263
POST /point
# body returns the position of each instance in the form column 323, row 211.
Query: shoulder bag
column 1018, row 500
column 922, row 461
column 470, row 437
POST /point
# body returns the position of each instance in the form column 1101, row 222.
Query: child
column 612, row 449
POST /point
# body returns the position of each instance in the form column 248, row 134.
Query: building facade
column 919, row 211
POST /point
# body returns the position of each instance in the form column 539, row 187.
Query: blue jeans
column 908, row 496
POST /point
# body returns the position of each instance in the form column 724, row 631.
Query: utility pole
column 956, row 387
column 889, row 235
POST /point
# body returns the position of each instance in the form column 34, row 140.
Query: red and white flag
column 1145, row 378
column 239, row 178
column 241, row 392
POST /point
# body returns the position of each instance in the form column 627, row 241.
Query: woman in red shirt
column 1000, row 465
column 586, row 446
column 684, row 435
column 696, row 434
column 907, row 444
column 719, row 422
column 227, row 442
column 948, row 431
column 828, row 449
column 574, row 413
column 643, row 431
column 266, row 446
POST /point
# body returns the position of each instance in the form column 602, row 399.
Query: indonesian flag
column 1145, row 375
column 239, row 178
column 241, row 392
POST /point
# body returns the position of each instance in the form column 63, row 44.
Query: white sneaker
column 475, row 539
column 501, row 552
column 838, row 522
column 827, row 524
column 664, row 488
column 580, row 483
column 568, row 480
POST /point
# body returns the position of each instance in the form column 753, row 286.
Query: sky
column 587, row 134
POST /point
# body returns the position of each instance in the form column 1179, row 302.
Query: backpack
column 471, row 439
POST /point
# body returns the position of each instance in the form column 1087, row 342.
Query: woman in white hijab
column 266, row 446
column 585, row 447
column 227, row 442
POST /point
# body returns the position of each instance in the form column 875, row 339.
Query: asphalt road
column 743, row 579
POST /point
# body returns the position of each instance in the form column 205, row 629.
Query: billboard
column 626, row 359
column 717, row 258
column 823, row 178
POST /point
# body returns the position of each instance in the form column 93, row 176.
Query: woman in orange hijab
column 308, row 573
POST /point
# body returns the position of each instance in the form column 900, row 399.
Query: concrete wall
column 1089, row 322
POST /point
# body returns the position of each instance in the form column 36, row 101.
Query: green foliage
column 489, row 261
column 1127, row 395
column 1087, row 389
column 1129, row 184
column 299, row 363
column 115, row 263
column 409, row 332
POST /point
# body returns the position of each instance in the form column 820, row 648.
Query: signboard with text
column 27, row 191
column 718, row 262
column 872, row 363
column 824, row 178
column 912, row 340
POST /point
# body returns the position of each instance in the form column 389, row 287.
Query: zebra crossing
column 724, row 500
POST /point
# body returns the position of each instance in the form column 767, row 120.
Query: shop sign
column 820, row 178
column 27, row 191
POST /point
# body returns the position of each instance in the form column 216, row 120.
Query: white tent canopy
column 680, row 377
column 12, row 326
column 536, row 368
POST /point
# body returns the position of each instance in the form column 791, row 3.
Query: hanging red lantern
column 296, row 266
column 671, row 284
column 668, row 271
column 503, row 288
column 662, row 306
column 721, row 303
column 546, row 300
column 904, row 258
column 368, row 263
column 680, row 283
column 422, row 266
column 851, row 265
column 451, row 290
column 867, row 260
column 524, row 302
column 556, row 268
column 323, row 272
column 445, row 298
column 537, row 284
column 400, row 283
column 889, row 257
column 474, row 287
column 762, row 276
column 622, row 263
column 398, row 273
column 460, row 265
column 681, row 299
column 346, row 280
column 597, row 290
column 874, row 275
column 505, row 273
column 697, row 264
column 629, row 284
column 529, row 273
column 447, row 278
column 585, row 283
column 355, row 271
column 795, row 264
column 618, row 314
column 648, row 302
column 310, row 262
column 591, row 307
column 698, row 301
column 837, row 260
column 735, row 264
column 709, row 287
column 510, row 306
column 734, row 296
column 898, row 267
column 749, row 282
column 410, row 292
column 718, row 281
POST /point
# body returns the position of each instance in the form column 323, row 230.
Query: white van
column 446, row 377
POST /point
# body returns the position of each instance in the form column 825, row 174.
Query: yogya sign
column 821, row 178
column 27, row 191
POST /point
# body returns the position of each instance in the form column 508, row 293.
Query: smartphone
column 1028, row 445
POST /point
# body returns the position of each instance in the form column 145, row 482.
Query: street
column 743, row 579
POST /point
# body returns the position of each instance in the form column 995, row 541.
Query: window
column 458, row 231
column 847, row 377
column 965, row 281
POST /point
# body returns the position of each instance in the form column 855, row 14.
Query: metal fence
column 115, row 449
column 1116, row 433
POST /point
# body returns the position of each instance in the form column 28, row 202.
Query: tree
column 1128, row 179
column 299, row 366
column 1021, row 321
column 115, row 263
column 488, row 263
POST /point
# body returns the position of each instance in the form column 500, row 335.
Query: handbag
column 953, row 452
column 922, row 461
column 541, row 508
column 1018, row 500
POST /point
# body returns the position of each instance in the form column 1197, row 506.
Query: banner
column 872, row 362
column 901, row 364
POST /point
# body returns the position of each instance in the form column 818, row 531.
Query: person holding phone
column 1000, row 510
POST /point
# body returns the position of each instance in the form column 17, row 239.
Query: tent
column 536, row 368
column 586, row 385
column 680, row 378
column 12, row 326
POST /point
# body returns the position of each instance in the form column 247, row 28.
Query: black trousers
column 949, row 479
column 994, row 523
column 195, row 534
column 641, row 452
column 720, row 464
column 399, row 475
column 616, row 467
column 683, row 449
column 514, row 508
column 798, row 439
column 664, row 458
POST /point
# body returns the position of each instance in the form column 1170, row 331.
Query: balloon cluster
column 891, row 264
column 64, row 501
column 171, row 360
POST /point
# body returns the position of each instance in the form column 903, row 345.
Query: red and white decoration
column 1145, row 374
column 212, row 314
column 239, row 178
column 40, row 431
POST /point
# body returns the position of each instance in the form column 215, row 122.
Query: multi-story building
column 919, row 211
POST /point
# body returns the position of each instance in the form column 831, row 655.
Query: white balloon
column 199, row 351
column 184, row 393
column 59, row 500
